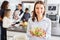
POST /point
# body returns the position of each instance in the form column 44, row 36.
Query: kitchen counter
column 16, row 33
column 17, row 29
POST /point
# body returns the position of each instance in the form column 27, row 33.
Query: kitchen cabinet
column 12, row 35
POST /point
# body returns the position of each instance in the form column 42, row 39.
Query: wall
column 32, row 0
column 1, row 2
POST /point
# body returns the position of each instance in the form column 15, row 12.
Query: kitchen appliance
column 52, row 13
column 59, row 20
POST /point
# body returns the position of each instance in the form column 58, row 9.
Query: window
column 29, row 5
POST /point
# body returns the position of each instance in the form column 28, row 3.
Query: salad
column 39, row 32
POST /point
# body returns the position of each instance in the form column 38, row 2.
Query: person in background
column 4, row 6
column 39, row 27
column 26, row 15
column 18, row 13
column 25, row 18
column 7, row 22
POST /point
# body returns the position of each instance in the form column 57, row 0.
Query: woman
column 4, row 6
column 39, row 27
column 18, row 14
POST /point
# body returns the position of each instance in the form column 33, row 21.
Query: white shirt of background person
column 17, row 15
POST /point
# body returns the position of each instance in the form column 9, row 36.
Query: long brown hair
column 34, row 13
column 4, row 5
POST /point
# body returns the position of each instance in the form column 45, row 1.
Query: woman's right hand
column 31, row 33
column 38, row 33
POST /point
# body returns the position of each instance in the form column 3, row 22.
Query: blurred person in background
column 4, row 6
column 6, row 19
column 26, row 15
column 18, row 14
column 25, row 18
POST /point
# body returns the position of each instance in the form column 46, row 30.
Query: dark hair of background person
column 26, row 9
column 20, row 5
column 4, row 5
column 34, row 13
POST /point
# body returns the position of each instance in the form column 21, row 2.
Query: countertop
column 17, row 29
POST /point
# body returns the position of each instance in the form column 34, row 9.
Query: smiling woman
column 39, row 27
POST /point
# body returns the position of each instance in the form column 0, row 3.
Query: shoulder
column 5, row 18
column 47, row 20
column 17, row 10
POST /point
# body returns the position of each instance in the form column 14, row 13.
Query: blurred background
column 52, row 12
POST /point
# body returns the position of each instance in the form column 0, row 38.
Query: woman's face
column 8, row 5
column 39, row 9
column 19, row 7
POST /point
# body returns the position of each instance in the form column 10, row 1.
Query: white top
column 7, row 22
column 45, row 23
column 17, row 14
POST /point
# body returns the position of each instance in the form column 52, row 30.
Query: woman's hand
column 16, row 17
column 24, row 24
column 38, row 33
column 32, row 33
column 21, row 23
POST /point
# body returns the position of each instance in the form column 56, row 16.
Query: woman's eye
column 41, row 8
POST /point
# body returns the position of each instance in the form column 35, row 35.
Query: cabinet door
column 16, row 35
column 9, row 38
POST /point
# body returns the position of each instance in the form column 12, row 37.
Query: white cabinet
column 11, row 35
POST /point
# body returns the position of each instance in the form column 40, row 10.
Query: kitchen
column 52, row 12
